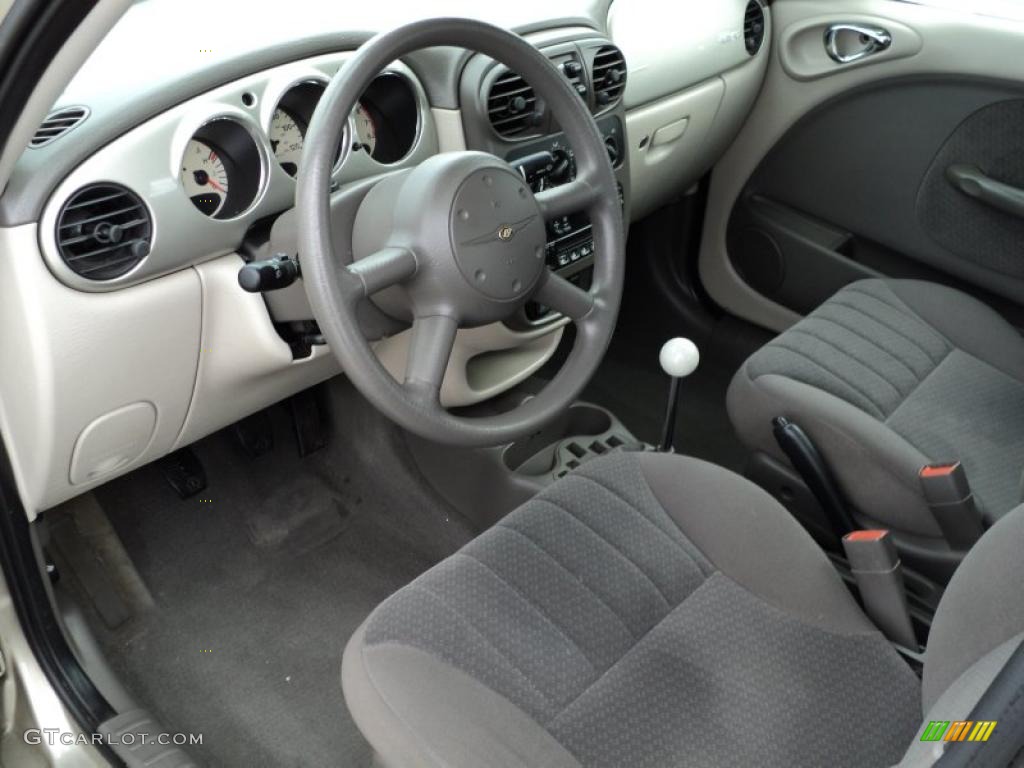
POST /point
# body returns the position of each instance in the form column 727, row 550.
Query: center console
column 547, row 163
column 485, row 484
column 503, row 115
column 550, row 162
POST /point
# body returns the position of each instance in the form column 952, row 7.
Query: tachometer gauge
column 286, row 138
column 204, row 177
column 366, row 129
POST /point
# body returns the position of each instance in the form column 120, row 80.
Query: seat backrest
column 977, row 628
column 979, row 622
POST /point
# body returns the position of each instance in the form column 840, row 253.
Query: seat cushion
column 889, row 375
column 647, row 610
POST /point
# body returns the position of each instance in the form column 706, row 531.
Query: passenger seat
column 886, row 377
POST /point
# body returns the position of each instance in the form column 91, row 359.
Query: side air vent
column 609, row 75
column 56, row 124
column 753, row 27
column 103, row 231
column 512, row 106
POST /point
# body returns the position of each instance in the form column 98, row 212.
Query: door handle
column 847, row 43
column 973, row 182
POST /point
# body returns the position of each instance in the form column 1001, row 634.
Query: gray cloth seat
column 885, row 377
column 649, row 610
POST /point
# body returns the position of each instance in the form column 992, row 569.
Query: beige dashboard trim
column 69, row 358
column 485, row 362
column 450, row 135
column 245, row 366
column 675, row 140
column 666, row 143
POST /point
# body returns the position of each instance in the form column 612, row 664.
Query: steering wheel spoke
column 564, row 297
column 383, row 269
column 430, row 349
column 577, row 195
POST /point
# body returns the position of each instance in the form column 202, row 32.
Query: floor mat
column 259, row 581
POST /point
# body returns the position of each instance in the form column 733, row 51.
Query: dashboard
column 131, row 219
column 192, row 183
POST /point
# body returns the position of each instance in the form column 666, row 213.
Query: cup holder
column 583, row 432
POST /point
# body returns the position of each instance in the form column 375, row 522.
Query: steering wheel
column 457, row 241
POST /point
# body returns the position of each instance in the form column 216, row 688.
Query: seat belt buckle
column 949, row 497
column 879, row 574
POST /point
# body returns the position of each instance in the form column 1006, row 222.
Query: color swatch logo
column 959, row 730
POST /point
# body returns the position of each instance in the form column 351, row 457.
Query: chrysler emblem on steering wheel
column 505, row 232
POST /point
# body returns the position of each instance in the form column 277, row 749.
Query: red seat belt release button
column 949, row 497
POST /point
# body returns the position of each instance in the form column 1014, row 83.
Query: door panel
column 872, row 165
column 843, row 170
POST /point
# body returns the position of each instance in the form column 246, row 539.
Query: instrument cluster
column 221, row 165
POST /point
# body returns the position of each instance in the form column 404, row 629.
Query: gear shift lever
column 679, row 358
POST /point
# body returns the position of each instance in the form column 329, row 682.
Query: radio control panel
column 550, row 162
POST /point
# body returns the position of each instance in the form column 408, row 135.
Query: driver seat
column 650, row 610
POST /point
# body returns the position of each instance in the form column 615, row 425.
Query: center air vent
column 753, row 27
column 609, row 75
column 56, row 124
column 512, row 106
column 103, row 231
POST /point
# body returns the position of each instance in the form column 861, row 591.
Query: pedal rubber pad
column 309, row 422
column 255, row 434
column 184, row 472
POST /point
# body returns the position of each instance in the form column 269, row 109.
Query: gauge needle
column 215, row 185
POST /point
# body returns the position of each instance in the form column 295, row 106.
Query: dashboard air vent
column 56, row 124
column 609, row 75
column 103, row 231
column 512, row 106
column 753, row 27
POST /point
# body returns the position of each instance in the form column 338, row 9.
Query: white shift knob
column 679, row 357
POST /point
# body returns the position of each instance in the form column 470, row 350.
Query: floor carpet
column 258, row 582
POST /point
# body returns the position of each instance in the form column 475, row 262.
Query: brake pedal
column 255, row 434
column 184, row 472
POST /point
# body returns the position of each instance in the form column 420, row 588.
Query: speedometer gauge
column 286, row 139
column 204, row 177
column 366, row 129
